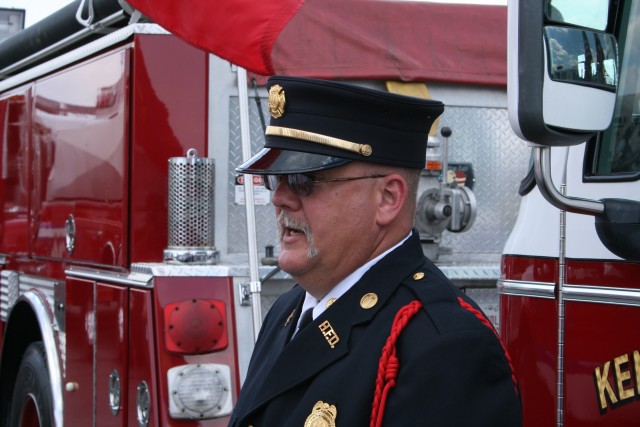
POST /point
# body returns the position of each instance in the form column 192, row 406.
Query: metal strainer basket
column 191, row 210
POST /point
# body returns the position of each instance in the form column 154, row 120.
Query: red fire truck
column 117, row 144
column 94, row 329
column 570, row 287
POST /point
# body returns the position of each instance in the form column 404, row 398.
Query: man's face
column 328, row 234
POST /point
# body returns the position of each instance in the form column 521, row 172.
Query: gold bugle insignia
column 276, row 101
column 419, row 275
column 290, row 317
column 330, row 302
column 322, row 415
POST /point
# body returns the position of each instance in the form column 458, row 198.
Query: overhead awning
column 395, row 40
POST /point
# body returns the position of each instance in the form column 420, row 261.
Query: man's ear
column 393, row 195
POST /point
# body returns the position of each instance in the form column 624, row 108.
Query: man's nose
column 283, row 196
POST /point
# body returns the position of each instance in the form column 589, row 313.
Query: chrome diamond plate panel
column 265, row 217
column 14, row 284
column 483, row 137
column 9, row 292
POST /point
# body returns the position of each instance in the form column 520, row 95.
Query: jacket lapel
column 318, row 345
column 284, row 333
column 266, row 355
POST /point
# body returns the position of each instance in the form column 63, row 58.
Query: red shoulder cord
column 389, row 365
column 488, row 324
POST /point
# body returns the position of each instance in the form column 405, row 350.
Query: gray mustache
column 285, row 221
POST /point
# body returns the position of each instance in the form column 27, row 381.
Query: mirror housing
column 562, row 76
column 559, row 92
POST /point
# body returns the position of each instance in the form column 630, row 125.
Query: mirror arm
column 542, row 171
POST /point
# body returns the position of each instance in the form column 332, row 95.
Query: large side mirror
column 562, row 77
column 563, row 71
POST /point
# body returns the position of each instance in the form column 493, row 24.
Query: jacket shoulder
column 450, row 309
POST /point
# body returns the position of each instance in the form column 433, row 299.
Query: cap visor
column 274, row 161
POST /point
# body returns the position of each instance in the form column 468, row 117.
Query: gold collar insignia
column 290, row 317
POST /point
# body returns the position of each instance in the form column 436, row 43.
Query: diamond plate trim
column 483, row 137
column 471, row 272
column 9, row 292
column 266, row 230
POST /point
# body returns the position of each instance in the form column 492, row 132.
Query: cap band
column 363, row 149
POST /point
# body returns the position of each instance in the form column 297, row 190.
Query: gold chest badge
column 276, row 101
column 322, row 415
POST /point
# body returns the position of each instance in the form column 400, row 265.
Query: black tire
column 31, row 404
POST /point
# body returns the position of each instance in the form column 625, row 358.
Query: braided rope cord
column 488, row 324
column 389, row 365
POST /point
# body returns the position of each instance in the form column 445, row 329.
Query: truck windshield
column 619, row 146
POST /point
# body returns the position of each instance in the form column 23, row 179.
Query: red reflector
column 195, row 326
column 433, row 165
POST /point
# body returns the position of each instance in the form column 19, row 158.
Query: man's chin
column 293, row 261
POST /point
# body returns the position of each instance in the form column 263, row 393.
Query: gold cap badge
column 276, row 101
column 322, row 415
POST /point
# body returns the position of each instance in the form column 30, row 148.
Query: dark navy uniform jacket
column 453, row 369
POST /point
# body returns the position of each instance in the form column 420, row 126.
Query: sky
column 35, row 10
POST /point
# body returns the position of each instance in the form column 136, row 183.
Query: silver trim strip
column 185, row 270
column 131, row 279
column 579, row 293
column 602, row 295
column 527, row 289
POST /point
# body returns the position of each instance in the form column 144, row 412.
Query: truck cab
column 569, row 275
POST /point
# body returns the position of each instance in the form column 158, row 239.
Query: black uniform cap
column 319, row 124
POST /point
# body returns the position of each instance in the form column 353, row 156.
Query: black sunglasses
column 302, row 184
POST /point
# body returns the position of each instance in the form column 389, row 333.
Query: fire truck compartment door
column 97, row 335
column 80, row 159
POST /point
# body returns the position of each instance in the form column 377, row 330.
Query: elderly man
column 373, row 334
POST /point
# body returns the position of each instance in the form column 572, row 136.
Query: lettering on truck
column 617, row 382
